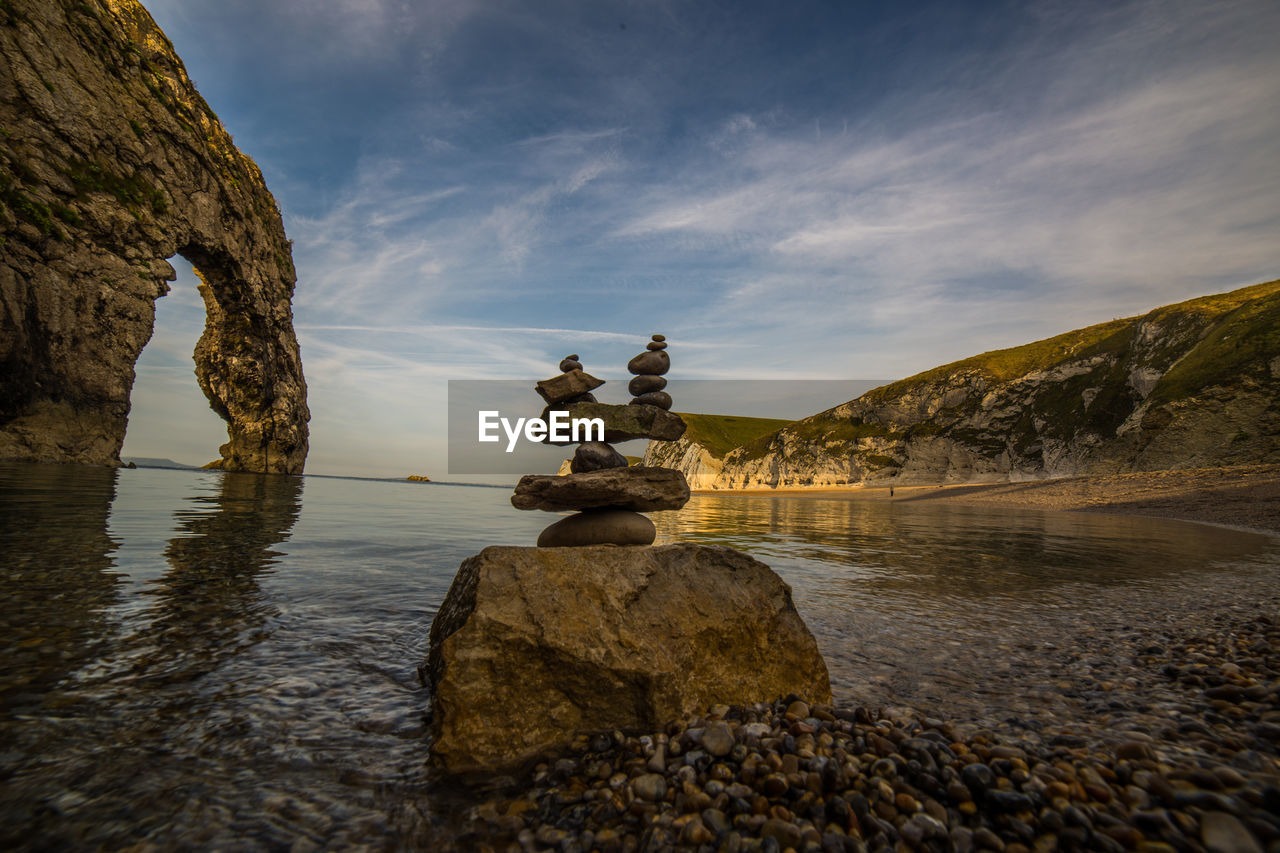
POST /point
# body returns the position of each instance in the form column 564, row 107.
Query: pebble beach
column 1180, row 753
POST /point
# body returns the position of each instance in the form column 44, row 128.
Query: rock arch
column 111, row 163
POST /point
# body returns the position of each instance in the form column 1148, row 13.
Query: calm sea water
column 199, row 659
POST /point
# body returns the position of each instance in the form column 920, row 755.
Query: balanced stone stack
column 608, row 494
column 532, row 646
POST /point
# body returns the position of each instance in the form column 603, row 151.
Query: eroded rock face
column 110, row 163
column 1184, row 386
column 534, row 644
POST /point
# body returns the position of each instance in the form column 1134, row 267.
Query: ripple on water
column 201, row 659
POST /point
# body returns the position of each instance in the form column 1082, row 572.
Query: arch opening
column 170, row 419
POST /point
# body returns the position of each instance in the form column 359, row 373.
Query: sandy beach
column 1246, row 496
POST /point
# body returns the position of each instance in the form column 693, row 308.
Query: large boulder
column 533, row 645
column 636, row 488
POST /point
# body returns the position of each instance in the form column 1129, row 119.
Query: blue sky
column 799, row 190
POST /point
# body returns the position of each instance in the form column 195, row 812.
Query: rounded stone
column 649, row 364
column 650, row 786
column 570, row 363
column 596, row 456
column 661, row 399
column 599, row 527
column 658, row 338
column 644, row 384
column 655, row 346
column 717, row 739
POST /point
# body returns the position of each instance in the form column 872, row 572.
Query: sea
column 199, row 659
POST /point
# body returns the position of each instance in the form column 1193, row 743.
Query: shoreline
column 1244, row 497
column 1190, row 763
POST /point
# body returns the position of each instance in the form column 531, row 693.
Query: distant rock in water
column 532, row 645
column 1188, row 385
column 418, row 478
column 110, row 163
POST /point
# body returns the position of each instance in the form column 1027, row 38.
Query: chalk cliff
column 111, row 163
column 1187, row 385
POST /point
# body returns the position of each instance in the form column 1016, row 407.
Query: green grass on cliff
column 1238, row 332
column 721, row 433
column 1248, row 334
column 1247, row 315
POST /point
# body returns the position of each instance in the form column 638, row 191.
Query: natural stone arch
column 110, row 163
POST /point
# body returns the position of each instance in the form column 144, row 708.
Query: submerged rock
column 532, row 645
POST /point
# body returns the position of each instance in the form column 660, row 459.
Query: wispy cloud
column 475, row 185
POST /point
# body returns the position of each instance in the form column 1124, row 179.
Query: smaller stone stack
column 649, row 367
column 608, row 495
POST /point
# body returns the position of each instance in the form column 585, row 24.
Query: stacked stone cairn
column 608, row 494
column 534, row 645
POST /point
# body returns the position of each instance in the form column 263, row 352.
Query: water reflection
column 175, row 677
column 967, row 608
column 58, row 580
column 953, row 552
column 210, row 606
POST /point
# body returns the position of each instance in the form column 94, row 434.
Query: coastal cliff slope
column 111, row 163
column 1187, row 385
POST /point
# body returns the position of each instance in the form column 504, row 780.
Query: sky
column 843, row 190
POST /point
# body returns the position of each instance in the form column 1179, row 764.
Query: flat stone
column 596, row 456
column 532, row 645
column 636, row 488
column 1223, row 833
column 655, row 346
column 623, row 423
column 644, row 384
column 661, row 399
column 659, row 338
column 567, row 386
column 650, row 364
column 599, row 527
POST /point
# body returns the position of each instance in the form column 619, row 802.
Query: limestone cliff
column 1187, row 385
column 700, row 452
column 110, row 163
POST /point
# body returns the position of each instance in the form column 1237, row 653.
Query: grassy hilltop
column 1193, row 383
